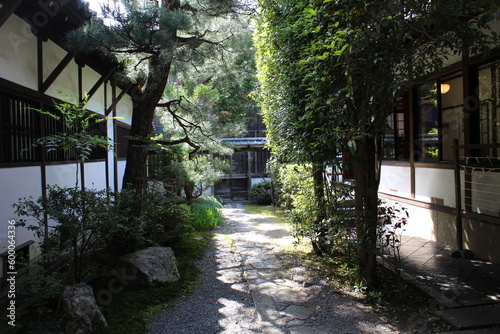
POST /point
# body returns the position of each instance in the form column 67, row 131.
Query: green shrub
column 164, row 222
column 261, row 193
column 81, row 220
column 334, row 232
column 160, row 221
column 206, row 214
column 92, row 228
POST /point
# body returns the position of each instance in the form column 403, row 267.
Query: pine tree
column 148, row 37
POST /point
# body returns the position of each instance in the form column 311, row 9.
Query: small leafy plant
column 79, row 220
column 206, row 215
column 261, row 193
column 76, row 122
column 77, row 213
column 392, row 219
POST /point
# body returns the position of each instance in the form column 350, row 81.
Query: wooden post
column 458, row 196
column 249, row 172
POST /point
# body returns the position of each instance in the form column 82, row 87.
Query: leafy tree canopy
column 331, row 70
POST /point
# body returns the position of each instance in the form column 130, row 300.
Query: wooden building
column 248, row 163
column 34, row 64
column 441, row 156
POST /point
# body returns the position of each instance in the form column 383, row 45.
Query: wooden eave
column 63, row 16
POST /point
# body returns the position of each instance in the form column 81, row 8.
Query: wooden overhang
column 54, row 19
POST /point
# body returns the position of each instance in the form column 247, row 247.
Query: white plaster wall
column 95, row 175
column 65, row 175
column 121, row 171
column 52, row 56
column 62, row 175
column 89, row 78
column 433, row 182
column 66, row 81
column 124, row 108
column 18, row 49
column 420, row 223
column 452, row 59
column 16, row 183
column 485, row 189
column 395, row 180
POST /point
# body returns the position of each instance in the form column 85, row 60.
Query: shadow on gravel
column 222, row 302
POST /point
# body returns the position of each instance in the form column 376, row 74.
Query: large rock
column 82, row 313
column 150, row 266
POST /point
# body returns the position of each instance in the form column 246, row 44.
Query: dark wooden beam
column 7, row 10
column 40, row 61
column 411, row 133
column 117, row 99
column 107, row 134
column 57, row 71
column 80, row 81
column 98, row 84
column 115, row 146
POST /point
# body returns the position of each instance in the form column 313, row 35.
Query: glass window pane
column 389, row 147
column 452, row 128
column 454, row 95
column 427, row 123
column 396, row 142
column 489, row 95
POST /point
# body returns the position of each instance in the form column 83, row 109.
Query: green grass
column 206, row 214
column 265, row 212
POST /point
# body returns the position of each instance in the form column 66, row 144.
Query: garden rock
column 82, row 313
column 150, row 266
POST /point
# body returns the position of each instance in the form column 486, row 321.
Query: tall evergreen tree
column 148, row 37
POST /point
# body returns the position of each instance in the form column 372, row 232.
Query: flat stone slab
column 476, row 331
column 472, row 317
column 285, row 294
column 302, row 312
column 307, row 330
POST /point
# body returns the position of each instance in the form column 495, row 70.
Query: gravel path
column 244, row 289
column 221, row 304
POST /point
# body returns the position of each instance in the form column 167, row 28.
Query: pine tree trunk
column 145, row 101
column 366, row 204
column 189, row 191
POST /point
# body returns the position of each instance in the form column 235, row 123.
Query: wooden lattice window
column 20, row 127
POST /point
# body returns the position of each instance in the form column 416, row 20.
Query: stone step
column 473, row 317
column 476, row 331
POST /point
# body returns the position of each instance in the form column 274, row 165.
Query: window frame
column 401, row 148
column 40, row 125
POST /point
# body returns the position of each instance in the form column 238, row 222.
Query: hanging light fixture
column 445, row 88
